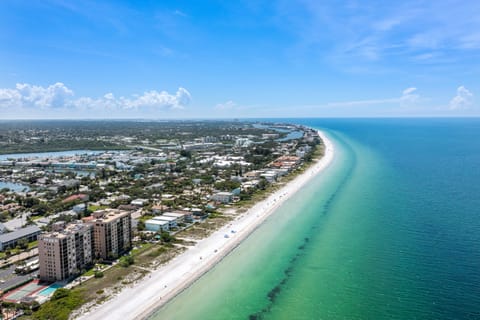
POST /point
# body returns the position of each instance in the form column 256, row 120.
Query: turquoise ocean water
column 390, row 231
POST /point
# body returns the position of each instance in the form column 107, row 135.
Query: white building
column 179, row 216
column 139, row 202
column 243, row 143
column 269, row 176
column 157, row 225
column 223, row 197
column 172, row 221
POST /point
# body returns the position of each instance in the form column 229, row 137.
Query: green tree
column 186, row 154
column 40, row 209
column 60, row 293
column 167, row 237
column 30, row 202
column 126, row 261
column 22, row 244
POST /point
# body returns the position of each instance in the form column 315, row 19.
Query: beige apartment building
column 65, row 252
column 112, row 233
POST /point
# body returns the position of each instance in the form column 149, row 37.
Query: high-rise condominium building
column 66, row 252
column 112, row 233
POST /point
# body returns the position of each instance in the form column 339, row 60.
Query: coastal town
column 87, row 209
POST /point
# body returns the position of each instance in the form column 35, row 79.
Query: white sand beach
column 157, row 288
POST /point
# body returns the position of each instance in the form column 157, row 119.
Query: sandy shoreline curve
column 159, row 287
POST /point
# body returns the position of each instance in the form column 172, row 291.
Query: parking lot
column 9, row 279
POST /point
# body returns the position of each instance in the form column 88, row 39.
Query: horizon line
column 245, row 118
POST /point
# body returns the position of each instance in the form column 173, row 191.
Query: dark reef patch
column 276, row 290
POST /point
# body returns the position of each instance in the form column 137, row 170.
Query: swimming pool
column 50, row 290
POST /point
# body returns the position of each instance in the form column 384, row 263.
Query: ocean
column 390, row 231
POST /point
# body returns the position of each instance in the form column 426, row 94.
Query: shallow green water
column 249, row 280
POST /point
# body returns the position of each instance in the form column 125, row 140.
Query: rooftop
column 157, row 222
column 164, row 218
column 71, row 228
column 109, row 215
column 174, row 214
column 19, row 233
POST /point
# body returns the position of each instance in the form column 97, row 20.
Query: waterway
column 44, row 155
column 16, row 187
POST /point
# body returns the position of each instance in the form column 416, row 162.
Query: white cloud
column 409, row 97
column 409, row 91
column 31, row 97
column 226, row 105
column 10, row 98
column 155, row 99
column 183, row 98
column 109, row 96
column 362, row 102
column 463, row 100
column 180, row 13
column 350, row 35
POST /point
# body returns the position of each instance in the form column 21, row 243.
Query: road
column 19, row 257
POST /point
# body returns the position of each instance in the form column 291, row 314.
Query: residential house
column 157, row 225
column 172, row 221
column 223, row 197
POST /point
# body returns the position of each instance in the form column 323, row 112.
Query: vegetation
column 60, row 306
column 167, row 237
column 59, row 135
column 126, row 261
column 11, row 307
column 65, row 301
column 92, row 208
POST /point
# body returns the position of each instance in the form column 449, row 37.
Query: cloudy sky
column 226, row 59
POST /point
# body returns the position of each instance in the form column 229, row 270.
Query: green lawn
column 91, row 271
column 146, row 217
column 32, row 244
column 95, row 208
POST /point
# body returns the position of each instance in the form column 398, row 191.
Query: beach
column 160, row 286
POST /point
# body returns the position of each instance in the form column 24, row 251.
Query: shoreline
column 151, row 293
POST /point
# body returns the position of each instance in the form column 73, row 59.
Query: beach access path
column 160, row 286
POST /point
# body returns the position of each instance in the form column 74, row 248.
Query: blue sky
column 226, row 59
